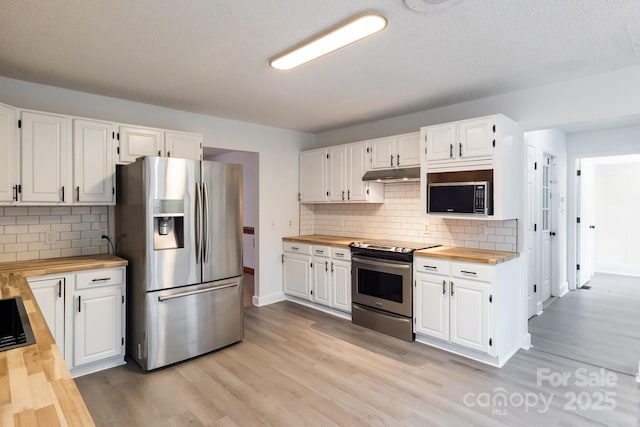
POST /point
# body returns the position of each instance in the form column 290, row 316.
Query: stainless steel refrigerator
column 179, row 224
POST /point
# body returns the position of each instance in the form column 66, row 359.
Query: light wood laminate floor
column 298, row 366
column 600, row 326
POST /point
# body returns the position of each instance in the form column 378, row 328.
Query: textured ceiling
column 211, row 56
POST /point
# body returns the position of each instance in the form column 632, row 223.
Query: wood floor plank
column 297, row 366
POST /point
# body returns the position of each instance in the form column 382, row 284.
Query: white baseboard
column 526, row 342
column 539, row 308
column 562, row 290
column 261, row 301
column 621, row 269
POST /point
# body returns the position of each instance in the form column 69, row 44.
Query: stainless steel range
column 381, row 280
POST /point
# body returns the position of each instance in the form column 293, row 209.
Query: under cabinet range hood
column 393, row 175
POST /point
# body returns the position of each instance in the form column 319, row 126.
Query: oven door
column 382, row 284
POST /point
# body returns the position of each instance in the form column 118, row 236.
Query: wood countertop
column 40, row 267
column 320, row 239
column 36, row 387
column 467, row 254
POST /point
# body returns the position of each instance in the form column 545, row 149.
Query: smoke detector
column 430, row 6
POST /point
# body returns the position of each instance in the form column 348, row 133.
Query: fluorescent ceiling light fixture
column 351, row 32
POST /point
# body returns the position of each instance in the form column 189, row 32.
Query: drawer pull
column 104, row 279
column 295, row 248
column 339, row 255
column 319, row 252
column 468, row 272
column 430, row 267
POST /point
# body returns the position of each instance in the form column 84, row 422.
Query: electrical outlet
column 427, row 228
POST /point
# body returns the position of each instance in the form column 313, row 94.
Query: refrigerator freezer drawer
column 193, row 320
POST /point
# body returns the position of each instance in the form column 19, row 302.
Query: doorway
column 547, row 215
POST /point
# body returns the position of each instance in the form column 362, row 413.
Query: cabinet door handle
column 392, row 160
column 348, row 194
column 342, row 194
column 77, row 194
column 63, row 193
column 444, row 287
column 451, row 151
column 104, row 279
column 159, row 153
column 451, row 288
column 398, row 160
column 15, row 193
column 79, row 303
column 59, row 288
column 168, row 153
column 468, row 272
column 460, row 152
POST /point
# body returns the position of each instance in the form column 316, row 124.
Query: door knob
column 592, row 227
column 553, row 233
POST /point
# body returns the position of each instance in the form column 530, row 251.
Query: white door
column 476, row 138
column 530, row 230
column 321, row 284
column 45, row 153
column 8, row 157
column 313, row 176
column 441, row 140
column 586, row 227
column 546, row 231
column 49, row 294
column 469, row 305
column 93, row 164
column 296, row 274
column 337, row 163
column 383, row 153
column 341, row 289
column 356, row 168
column 97, row 325
column 431, row 306
column 183, row 145
column 408, row 150
column 138, row 142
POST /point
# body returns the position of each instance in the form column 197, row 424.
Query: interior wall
column 617, row 230
column 249, row 162
column 553, row 142
column 277, row 150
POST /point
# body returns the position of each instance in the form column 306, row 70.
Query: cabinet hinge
column 118, row 136
column 578, row 267
column 578, row 172
column 535, row 288
column 113, row 134
column 299, row 197
column 311, row 265
column 118, row 150
column 494, row 128
column 113, row 190
column 578, row 220
column 283, row 258
column 490, row 342
column 311, row 291
column 367, row 149
column 425, row 150
column 367, row 191
column 19, row 124
column 490, row 298
column 327, row 155
column 535, row 227
column 327, row 194
column 494, row 143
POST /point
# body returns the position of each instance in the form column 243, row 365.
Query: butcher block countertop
column 36, row 388
column 319, row 239
column 467, row 254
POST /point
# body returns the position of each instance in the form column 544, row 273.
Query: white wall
column 599, row 143
column 250, row 167
column 553, row 142
column 277, row 149
column 617, row 230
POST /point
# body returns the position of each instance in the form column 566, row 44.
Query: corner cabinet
column 313, row 176
column 85, row 313
column 318, row 274
column 468, row 308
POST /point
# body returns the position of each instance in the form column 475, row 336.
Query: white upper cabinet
column 337, row 165
column 45, row 158
column 183, row 145
column 357, row 189
column 8, row 156
column 395, row 151
column 313, row 176
column 460, row 141
column 138, row 142
column 93, row 163
column 440, row 140
column 477, row 138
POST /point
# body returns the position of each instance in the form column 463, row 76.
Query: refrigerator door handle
column 199, row 291
column 198, row 224
column 205, row 202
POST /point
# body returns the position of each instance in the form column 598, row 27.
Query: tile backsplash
column 38, row 232
column 400, row 218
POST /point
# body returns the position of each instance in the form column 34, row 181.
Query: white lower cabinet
column 49, row 294
column 85, row 313
column 319, row 274
column 468, row 308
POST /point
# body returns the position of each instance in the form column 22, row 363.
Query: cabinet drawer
column 297, row 248
column 99, row 278
column 431, row 265
column 341, row 253
column 321, row 251
column 473, row 271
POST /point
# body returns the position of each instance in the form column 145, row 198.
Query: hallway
column 599, row 326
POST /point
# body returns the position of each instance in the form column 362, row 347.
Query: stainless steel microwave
column 471, row 198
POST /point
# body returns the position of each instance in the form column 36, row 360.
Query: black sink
column 15, row 329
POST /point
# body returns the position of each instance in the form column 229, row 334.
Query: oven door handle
column 378, row 263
